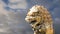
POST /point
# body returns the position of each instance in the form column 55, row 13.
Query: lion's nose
column 27, row 19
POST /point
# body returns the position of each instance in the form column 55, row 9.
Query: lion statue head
column 34, row 15
column 40, row 20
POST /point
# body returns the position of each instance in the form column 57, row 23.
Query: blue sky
column 13, row 12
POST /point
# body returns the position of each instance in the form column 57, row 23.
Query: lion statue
column 40, row 20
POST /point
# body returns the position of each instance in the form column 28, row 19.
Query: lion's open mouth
column 32, row 22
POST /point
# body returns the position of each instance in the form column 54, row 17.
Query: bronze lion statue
column 40, row 20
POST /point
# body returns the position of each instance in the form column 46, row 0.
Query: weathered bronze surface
column 40, row 20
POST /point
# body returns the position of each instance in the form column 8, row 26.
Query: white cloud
column 2, row 10
column 1, row 30
column 17, row 4
column 14, row 0
column 11, row 22
column 57, row 19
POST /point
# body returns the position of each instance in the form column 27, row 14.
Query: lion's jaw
column 30, row 19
